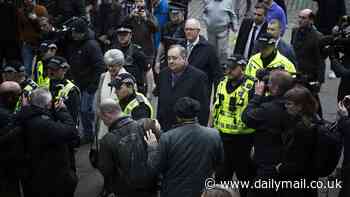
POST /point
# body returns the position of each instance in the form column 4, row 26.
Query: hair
column 219, row 191
column 302, row 96
column 186, row 108
column 40, row 97
column 109, row 105
column 277, row 22
column 283, row 80
column 183, row 51
column 262, row 6
column 114, row 57
column 195, row 22
column 150, row 124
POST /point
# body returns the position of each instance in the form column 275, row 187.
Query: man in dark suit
column 257, row 26
column 274, row 28
column 181, row 80
column 201, row 54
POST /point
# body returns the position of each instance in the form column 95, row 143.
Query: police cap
column 57, row 62
column 235, row 60
column 176, row 7
column 46, row 45
column 124, row 28
column 124, row 78
column 14, row 67
column 267, row 39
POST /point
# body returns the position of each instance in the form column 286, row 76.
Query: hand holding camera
column 344, row 106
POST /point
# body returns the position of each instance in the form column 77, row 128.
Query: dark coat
column 203, row 57
column 65, row 9
column 299, row 142
column 306, row 44
column 190, row 153
column 342, row 70
column 243, row 34
column 48, row 140
column 114, row 180
column 107, row 19
column 328, row 14
column 86, row 61
column 192, row 83
column 143, row 32
column 344, row 126
column 269, row 118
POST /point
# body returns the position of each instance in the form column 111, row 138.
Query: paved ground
column 90, row 180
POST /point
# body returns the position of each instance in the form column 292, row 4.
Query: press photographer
column 340, row 55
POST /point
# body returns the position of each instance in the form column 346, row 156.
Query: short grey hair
column 182, row 50
column 40, row 97
column 114, row 57
column 109, row 105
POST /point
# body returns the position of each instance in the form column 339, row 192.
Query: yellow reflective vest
column 228, row 107
column 140, row 98
column 255, row 63
column 27, row 90
column 38, row 75
column 64, row 91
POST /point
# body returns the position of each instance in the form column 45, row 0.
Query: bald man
column 201, row 54
column 306, row 43
column 9, row 93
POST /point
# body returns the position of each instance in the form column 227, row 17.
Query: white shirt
column 246, row 49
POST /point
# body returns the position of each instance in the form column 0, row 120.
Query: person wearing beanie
column 114, row 60
column 189, row 153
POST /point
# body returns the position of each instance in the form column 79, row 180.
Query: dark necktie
column 252, row 40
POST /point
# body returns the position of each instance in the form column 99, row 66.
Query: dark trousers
column 237, row 159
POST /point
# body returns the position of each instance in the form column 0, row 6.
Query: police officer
column 268, row 58
column 15, row 71
column 173, row 31
column 62, row 88
column 232, row 97
column 132, row 102
column 135, row 58
column 47, row 50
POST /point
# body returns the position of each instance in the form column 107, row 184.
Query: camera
column 263, row 74
column 339, row 41
column 346, row 102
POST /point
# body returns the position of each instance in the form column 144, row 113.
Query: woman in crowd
column 298, row 141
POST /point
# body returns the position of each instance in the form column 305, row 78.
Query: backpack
column 133, row 155
column 328, row 148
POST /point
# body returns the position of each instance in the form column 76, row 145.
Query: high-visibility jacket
column 64, row 91
column 255, row 63
column 228, row 107
column 140, row 98
column 38, row 75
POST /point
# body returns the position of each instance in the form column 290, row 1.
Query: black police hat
column 47, row 44
column 267, row 39
column 80, row 25
column 14, row 66
column 124, row 78
column 176, row 7
column 235, row 60
column 124, row 28
column 56, row 62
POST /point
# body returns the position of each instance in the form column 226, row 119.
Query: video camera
column 263, row 74
column 339, row 41
column 65, row 30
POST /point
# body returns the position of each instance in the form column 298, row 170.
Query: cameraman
column 268, row 117
column 340, row 57
column 344, row 126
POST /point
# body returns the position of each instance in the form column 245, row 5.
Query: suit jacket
column 243, row 35
column 192, row 83
column 203, row 56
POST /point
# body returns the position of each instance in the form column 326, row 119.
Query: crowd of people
column 76, row 73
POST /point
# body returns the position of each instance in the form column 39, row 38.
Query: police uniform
column 135, row 60
column 135, row 105
column 64, row 89
column 232, row 97
column 279, row 61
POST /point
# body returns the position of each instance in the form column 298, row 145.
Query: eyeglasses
column 192, row 29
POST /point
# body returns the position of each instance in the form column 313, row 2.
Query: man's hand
column 150, row 138
column 342, row 111
column 260, row 88
column 60, row 104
